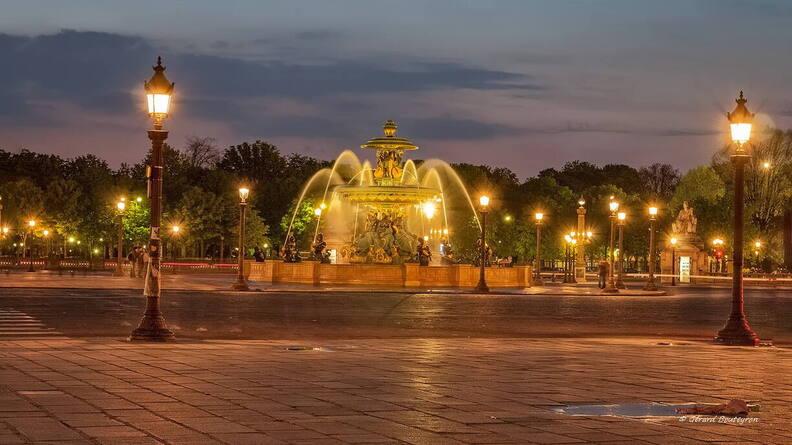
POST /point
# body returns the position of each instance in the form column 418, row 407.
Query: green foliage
column 701, row 184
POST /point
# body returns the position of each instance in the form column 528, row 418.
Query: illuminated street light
column 737, row 331
column 121, row 207
column 610, row 287
column 673, row 242
column 240, row 283
column 318, row 211
column 158, row 91
column 621, row 218
column 484, row 201
column 538, row 218
column 766, row 165
column 650, row 281
column 580, row 260
column 139, row 199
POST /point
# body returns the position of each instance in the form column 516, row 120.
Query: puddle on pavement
column 632, row 409
column 308, row 348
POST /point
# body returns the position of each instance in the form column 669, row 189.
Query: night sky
column 522, row 84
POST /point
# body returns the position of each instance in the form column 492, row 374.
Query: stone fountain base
column 404, row 275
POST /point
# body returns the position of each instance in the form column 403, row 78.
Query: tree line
column 74, row 199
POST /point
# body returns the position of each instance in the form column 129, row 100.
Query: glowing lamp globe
column 32, row 223
column 614, row 206
column 121, row 206
column 621, row 216
column 158, row 93
column 484, row 201
column 673, row 241
column 539, row 216
column 244, row 192
column 653, row 211
column 740, row 121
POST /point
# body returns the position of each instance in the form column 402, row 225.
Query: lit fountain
column 377, row 214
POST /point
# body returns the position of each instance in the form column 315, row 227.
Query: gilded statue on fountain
column 386, row 239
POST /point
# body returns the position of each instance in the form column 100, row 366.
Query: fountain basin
column 385, row 195
column 403, row 275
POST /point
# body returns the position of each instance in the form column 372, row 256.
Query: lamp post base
column 538, row 281
column 737, row 333
column 240, row 285
column 620, row 284
column 650, row 285
column 152, row 327
column 482, row 287
column 610, row 287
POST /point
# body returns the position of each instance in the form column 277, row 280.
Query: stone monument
column 688, row 255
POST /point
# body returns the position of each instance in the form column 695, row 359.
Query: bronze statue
column 290, row 252
column 319, row 250
column 424, row 253
column 487, row 254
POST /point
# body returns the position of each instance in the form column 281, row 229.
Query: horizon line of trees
column 75, row 198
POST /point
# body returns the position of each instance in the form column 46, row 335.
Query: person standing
column 604, row 267
column 143, row 259
column 132, row 258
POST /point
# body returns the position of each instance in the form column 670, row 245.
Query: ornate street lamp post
column 650, row 282
column 484, row 205
column 240, row 283
column 737, row 331
column 610, row 286
column 673, row 242
column 158, row 94
column 580, row 259
column 174, row 247
column 621, row 217
column 538, row 217
column 31, row 226
column 121, row 206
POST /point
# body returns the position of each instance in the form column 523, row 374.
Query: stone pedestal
column 690, row 247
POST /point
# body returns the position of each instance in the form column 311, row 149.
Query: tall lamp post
column 650, row 282
column 673, row 242
column 737, row 331
column 31, row 226
column 121, row 206
column 240, row 283
column 174, row 247
column 621, row 217
column 538, row 217
column 580, row 260
column 610, row 286
column 484, row 205
column 158, row 94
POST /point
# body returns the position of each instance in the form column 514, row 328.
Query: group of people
column 138, row 258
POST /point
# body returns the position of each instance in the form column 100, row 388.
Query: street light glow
column 758, row 244
column 673, row 241
column 158, row 93
column 175, row 229
column 45, row 232
column 613, row 205
column 139, row 199
column 621, row 216
column 484, row 201
column 318, row 211
column 32, row 223
column 766, row 165
column 429, row 209
column 740, row 120
column 652, row 210
column 244, row 192
column 121, row 206
column 539, row 216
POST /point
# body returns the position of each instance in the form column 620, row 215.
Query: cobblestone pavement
column 419, row 391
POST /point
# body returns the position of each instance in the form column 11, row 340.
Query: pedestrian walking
column 132, row 258
column 143, row 259
column 604, row 268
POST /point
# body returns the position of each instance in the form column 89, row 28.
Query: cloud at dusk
column 532, row 85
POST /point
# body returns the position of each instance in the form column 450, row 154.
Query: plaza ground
column 380, row 367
